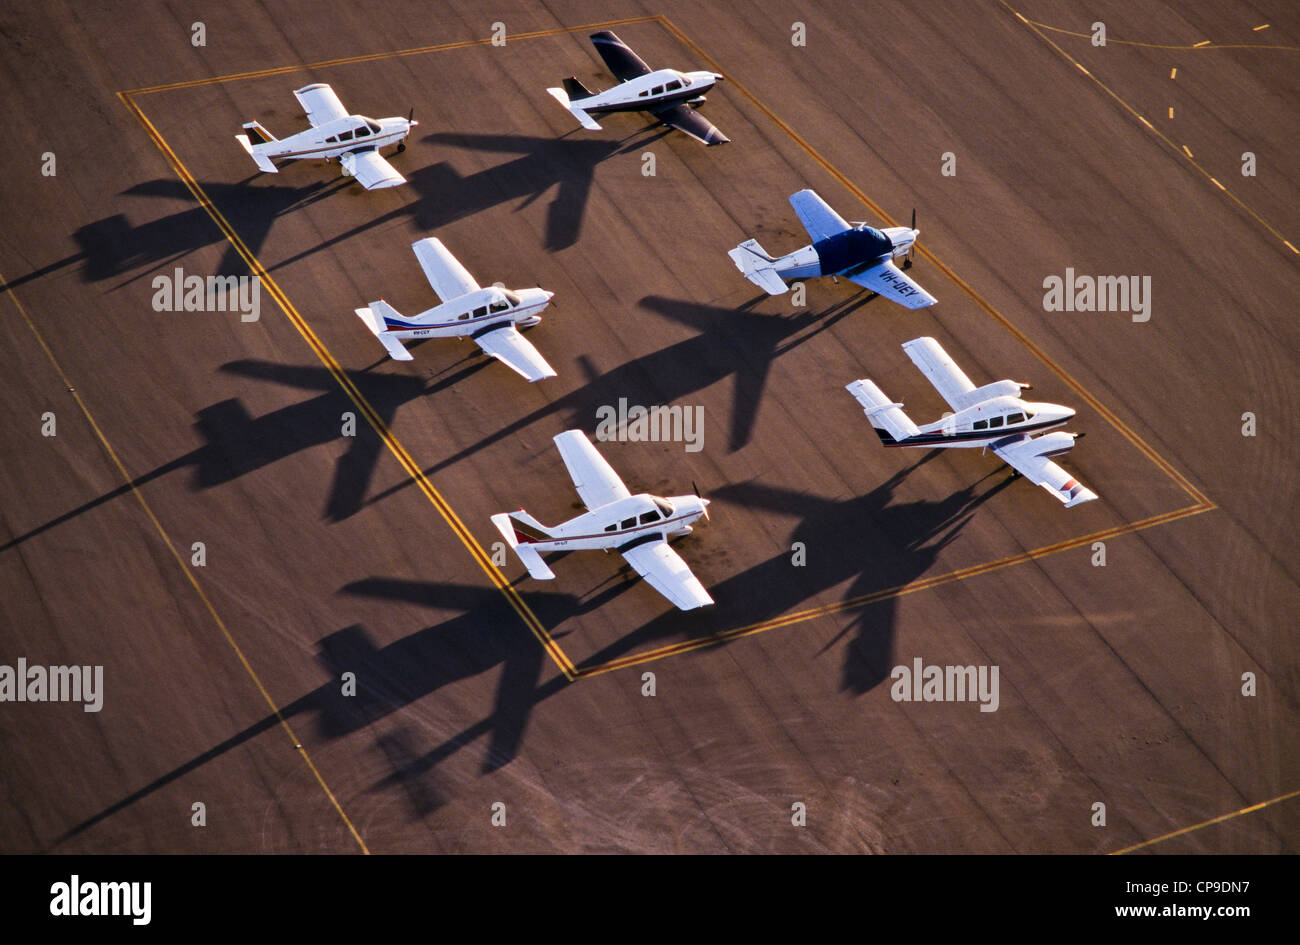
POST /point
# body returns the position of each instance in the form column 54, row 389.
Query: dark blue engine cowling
column 845, row 250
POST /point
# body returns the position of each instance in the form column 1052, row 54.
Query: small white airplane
column 667, row 94
column 353, row 140
column 858, row 252
column 637, row 526
column 991, row 416
column 490, row 316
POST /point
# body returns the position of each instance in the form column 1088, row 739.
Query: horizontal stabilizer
column 756, row 266
column 263, row 162
column 372, row 317
column 529, row 556
column 886, row 417
column 583, row 118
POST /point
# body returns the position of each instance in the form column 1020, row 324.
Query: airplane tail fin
column 257, row 135
column 756, row 265
column 522, row 541
column 886, row 417
column 564, row 96
column 575, row 89
column 375, row 317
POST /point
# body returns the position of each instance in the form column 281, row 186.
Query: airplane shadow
column 733, row 343
column 114, row 247
column 236, row 443
column 565, row 165
column 390, row 678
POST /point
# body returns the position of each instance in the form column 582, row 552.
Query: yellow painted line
column 1208, row 823
column 1203, row 44
column 1037, row 28
column 1173, row 73
column 185, row 569
column 854, row 603
column 1258, row 28
column 355, row 395
column 371, row 57
column 1189, row 154
column 1171, row 111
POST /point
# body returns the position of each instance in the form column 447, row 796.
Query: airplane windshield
column 511, row 297
column 373, row 126
column 665, row 506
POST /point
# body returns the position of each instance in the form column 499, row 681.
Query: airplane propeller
column 907, row 260
column 410, row 121
column 696, row 490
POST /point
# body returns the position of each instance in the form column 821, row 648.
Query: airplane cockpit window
column 628, row 523
column 512, row 298
column 346, row 136
column 648, row 517
column 480, row 311
column 664, row 506
column 657, row 90
column 673, row 86
column 363, row 132
column 373, row 126
column 685, row 80
column 995, row 422
column 1015, row 418
column 499, row 306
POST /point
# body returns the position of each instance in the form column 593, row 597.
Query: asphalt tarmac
column 1161, row 684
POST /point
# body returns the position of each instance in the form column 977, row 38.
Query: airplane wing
column 668, row 574
column 891, row 282
column 595, row 479
column 371, row 171
column 688, row 120
column 1029, row 457
column 624, row 63
column 320, row 103
column 507, row 345
column 450, row 280
column 817, row 216
column 948, row 379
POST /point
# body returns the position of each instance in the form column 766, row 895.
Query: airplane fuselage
column 986, row 423
column 847, row 253
column 473, row 313
column 338, row 137
column 664, row 87
column 622, row 524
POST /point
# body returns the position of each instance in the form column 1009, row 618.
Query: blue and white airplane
column 859, row 253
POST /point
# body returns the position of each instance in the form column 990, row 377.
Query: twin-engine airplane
column 353, row 139
column 993, row 416
column 860, row 253
column 489, row 316
column 667, row 94
column 637, row 526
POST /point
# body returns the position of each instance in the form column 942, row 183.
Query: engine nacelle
column 997, row 389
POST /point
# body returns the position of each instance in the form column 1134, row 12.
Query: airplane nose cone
column 549, row 295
